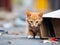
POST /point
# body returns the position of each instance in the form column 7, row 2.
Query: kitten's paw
column 37, row 36
column 30, row 36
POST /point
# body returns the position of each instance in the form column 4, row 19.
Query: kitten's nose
column 34, row 26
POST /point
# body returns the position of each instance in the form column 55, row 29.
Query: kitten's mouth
column 34, row 27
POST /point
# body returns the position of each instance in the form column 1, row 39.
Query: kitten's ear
column 28, row 13
column 41, row 14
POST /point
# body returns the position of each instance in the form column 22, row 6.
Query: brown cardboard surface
column 56, row 25
column 44, row 31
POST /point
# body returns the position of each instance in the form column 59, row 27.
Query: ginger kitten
column 34, row 20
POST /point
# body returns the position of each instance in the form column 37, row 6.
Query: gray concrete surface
column 9, row 40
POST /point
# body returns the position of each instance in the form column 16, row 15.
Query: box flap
column 54, row 14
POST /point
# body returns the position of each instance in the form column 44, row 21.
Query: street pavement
column 10, row 39
column 17, row 40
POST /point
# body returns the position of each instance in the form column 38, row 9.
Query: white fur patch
column 37, row 36
column 30, row 36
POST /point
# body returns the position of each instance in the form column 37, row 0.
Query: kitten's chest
column 35, row 29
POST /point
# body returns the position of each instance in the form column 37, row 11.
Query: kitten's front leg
column 38, row 35
column 30, row 34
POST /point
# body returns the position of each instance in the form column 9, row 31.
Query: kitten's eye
column 31, row 21
column 36, row 21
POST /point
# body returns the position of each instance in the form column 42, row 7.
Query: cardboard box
column 51, row 25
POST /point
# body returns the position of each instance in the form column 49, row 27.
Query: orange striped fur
column 34, row 20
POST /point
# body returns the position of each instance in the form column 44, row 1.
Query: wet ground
column 9, row 39
column 17, row 40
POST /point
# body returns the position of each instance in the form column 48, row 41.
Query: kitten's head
column 34, row 18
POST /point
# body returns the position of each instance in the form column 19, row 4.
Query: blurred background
column 12, row 12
